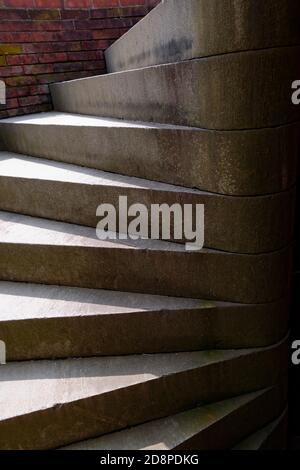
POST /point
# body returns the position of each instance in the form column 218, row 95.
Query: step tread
column 161, row 154
column 25, row 301
column 122, row 323
column 21, row 229
column 14, row 165
column 168, row 433
column 30, row 386
column 56, row 118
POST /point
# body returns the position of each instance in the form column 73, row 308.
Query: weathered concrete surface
column 48, row 252
column 186, row 29
column 47, row 404
column 272, row 437
column 37, row 187
column 72, row 322
column 233, row 91
column 210, row 427
column 235, row 163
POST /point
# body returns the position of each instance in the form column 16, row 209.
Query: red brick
column 53, row 57
column 33, row 100
column 106, row 34
column 59, row 77
column 13, row 14
column 97, row 44
column 22, row 26
column 44, row 14
column 22, row 59
column 119, row 12
column 77, row 3
column 41, row 44
column 7, row 49
column 105, row 3
column 11, row 112
column 51, row 47
column 10, row 71
column 12, row 103
column 47, row 36
column 153, row 3
column 107, row 23
column 67, row 67
column 39, row 108
column 131, row 2
column 75, row 14
column 20, row 80
column 19, row 3
column 38, row 90
column 38, row 69
column 14, row 92
column 85, row 55
column 48, row 3
column 93, row 65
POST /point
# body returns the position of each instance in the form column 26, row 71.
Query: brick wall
column 44, row 41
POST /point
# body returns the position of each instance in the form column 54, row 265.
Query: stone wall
column 45, row 41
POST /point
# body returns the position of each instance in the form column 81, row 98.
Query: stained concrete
column 186, row 29
column 45, row 404
column 211, row 427
column 43, row 322
column 235, row 163
column 37, row 187
column 247, row 90
column 48, row 252
column 272, row 437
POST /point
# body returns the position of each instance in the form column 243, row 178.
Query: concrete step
column 69, row 193
column 224, row 92
column 186, row 29
column 235, row 163
column 48, row 404
column 215, row 426
column 271, row 437
column 73, row 322
column 47, row 252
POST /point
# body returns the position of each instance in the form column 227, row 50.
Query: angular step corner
column 188, row 29
column 232, row 103
column 237, row 163
column 74, row 322
column 38, row 250
column 216, row 426
column 59, row 396
column 37, row 187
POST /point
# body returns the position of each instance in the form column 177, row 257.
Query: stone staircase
column 141, row 344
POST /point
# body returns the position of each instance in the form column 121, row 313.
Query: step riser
column 227, row 327
column 214, row 427
column 233, row 102
column 187, row 29
column 207, row 275
column 236, row 163
column 189, row 388
column 265, row 224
